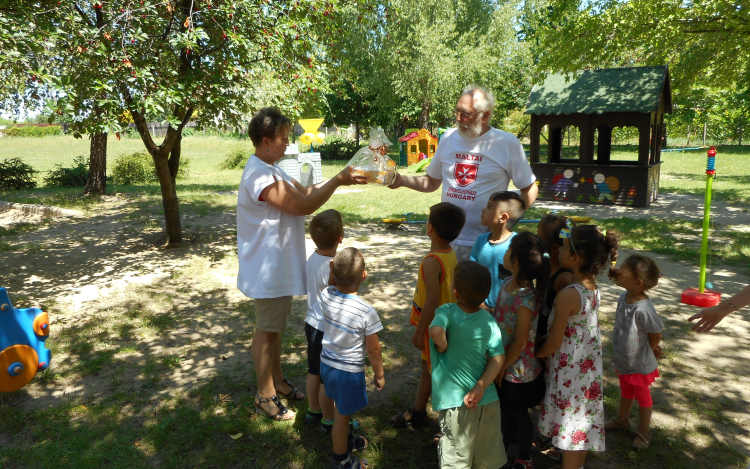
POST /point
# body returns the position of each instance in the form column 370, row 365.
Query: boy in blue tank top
column 502, row 212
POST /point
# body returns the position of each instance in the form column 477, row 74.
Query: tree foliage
column 171, row 60
column 407, row 62
column 703, row 41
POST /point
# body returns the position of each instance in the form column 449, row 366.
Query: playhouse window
column 624, row 144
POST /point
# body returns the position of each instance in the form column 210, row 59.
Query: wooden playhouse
column 596, row 103
column 414, row 143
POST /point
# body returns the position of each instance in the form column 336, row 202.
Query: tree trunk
column 740, row 142
column 705, row 129
column 687, row 144
column 164, row 172
column 424, row 116
column 356, row 132
column 97, row 180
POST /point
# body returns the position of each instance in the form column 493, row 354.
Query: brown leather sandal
column 283, row 414
column 642, row 441
column 615, row 425
column 294, row 394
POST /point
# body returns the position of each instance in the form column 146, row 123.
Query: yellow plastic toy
column 310, row 126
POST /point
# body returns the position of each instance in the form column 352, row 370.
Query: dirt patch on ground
column 131, row 316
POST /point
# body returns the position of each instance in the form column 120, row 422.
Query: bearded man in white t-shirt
column 471, row 163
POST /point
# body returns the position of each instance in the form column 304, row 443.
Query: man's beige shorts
column 271, row 313
column 471, row 438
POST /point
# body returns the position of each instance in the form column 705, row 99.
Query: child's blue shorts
column 347, row 389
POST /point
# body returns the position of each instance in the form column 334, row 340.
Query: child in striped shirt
column 350, row 327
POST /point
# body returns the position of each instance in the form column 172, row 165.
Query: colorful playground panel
column 22, row 350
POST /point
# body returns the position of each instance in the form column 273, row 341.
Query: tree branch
column 85, row 18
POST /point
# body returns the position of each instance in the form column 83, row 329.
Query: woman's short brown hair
column 268, row 122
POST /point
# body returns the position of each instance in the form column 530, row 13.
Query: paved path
column 666, row 207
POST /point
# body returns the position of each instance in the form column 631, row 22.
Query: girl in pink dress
column 520, row 382
column 573, row 408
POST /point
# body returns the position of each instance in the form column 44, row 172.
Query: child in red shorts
column 637, row 334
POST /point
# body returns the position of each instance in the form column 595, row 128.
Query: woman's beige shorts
column 271, row 313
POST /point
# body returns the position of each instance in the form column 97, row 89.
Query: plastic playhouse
column 414, row 143
column 22, row 349
column 304, row 167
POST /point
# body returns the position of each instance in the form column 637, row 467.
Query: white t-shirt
column 318, row 270
column 270, row 243
column 347, row 320
column 473, row 169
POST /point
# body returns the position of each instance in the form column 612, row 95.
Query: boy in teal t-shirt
column 461, row 373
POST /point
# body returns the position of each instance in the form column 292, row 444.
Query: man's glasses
column 465, row 115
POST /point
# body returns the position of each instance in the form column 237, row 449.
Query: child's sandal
column 417, row 419
column 641, row 441
column 357, row 442
column 540, row 443
column 614, row 425
column 351, row 462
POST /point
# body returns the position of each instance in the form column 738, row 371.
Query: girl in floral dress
column 573, row 409
column 521, row 382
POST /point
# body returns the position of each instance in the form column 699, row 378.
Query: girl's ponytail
column 595, row 247
column 534, row 266
column 612, row 244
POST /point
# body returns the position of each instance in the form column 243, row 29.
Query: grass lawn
column 149, row 332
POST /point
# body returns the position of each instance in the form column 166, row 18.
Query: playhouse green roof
column 636, row 89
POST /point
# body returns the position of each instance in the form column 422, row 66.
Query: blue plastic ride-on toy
column 22, row 350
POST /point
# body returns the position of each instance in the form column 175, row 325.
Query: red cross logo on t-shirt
column 465, row 174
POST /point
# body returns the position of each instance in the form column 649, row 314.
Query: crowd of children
column 512, row 328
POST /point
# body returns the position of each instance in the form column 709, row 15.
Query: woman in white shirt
column 271, row 209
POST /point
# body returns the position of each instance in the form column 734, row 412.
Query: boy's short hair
column 472, row 281
column 447, row 219
column 512, row 204
column 326, row 228
column 347, row 268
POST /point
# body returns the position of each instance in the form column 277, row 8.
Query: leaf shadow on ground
column 156, row 371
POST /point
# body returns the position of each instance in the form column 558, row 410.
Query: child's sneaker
column 522, row 464
column 351, row 462
column 313, row 417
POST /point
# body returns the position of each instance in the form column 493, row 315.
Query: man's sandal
column 641, row 441
column 615, row 425
column 416, row 419
column 283, row 414
column 294, row 394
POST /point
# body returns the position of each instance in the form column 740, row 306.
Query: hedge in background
column 32, row 131
column 16, row 175
column 337, row 149
column 138, row 168
column 68, row 177
column 235, row 160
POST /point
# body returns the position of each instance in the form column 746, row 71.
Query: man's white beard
column 472, row 131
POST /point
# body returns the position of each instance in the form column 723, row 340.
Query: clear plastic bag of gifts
column 372, row 161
